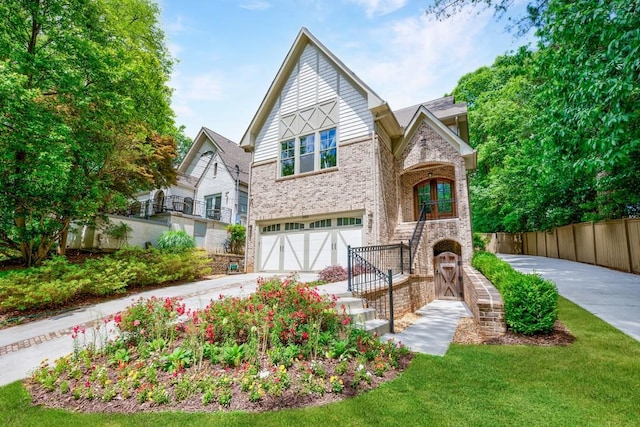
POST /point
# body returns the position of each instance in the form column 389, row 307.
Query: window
column 343, row 222
column 322, row 223
column 303, row 154
column 271, row 228
column 288, row 157
column 213, row 205
column 307, row 153
column 243, row 202
column 328, row 151
column 293, row 226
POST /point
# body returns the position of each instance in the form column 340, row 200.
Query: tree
column 84, row 110
column 443, row 9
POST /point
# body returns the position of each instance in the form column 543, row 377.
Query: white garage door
column 310, row 246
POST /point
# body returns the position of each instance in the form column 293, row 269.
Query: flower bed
column 284, row 346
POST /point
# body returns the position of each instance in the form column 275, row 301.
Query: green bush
column 176, row 241
column 57, row 282
column 530, row 302
column 479, row 242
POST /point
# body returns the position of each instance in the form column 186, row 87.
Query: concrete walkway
column 611, row 295
column 433, row 332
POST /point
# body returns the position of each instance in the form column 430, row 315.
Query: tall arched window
column 437, row 197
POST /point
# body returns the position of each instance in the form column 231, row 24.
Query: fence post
column 390, row 273
column 349, row 268
column 401, row 258
column 410, row 258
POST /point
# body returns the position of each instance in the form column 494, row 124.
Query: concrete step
column 349, row 303
column 375, row 326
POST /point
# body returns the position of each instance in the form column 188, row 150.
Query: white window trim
column 316, row 153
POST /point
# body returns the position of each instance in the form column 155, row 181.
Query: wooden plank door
column 448, row 276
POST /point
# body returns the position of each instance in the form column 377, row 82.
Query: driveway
column 611, row 295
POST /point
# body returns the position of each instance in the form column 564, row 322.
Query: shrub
column 237, row 236
column 176, row 241
column 531, row 305
column 530, row 302
column 334, row 273
column 479, row 242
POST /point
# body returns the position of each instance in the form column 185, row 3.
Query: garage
column 308, row 245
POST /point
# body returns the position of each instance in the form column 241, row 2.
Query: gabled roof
column 375, row 103
column 443, row 108
column 421, row 114
column 230, row 153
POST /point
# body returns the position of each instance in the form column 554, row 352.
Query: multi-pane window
column 322, row 223
column 308, row 153
column 288, row 157
column 293, row 226
column 271, row 228
column 342, row 222
column 328, row 151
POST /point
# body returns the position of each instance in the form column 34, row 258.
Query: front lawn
column 595, row 381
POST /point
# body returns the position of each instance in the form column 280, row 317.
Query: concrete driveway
column 611, row 295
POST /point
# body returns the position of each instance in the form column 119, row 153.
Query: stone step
column 349, row 303
column 375, row 326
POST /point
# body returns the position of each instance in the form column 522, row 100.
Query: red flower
column 346, row 321
column 305, row 336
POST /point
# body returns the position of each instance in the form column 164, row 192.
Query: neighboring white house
column 211, row 192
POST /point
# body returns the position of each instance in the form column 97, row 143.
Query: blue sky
column 229, row 51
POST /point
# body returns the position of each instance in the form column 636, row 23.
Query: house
column 334, row 166
column 211, row 192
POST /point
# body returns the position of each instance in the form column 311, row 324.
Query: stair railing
column 417, row 235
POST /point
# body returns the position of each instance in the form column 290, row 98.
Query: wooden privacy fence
column 613, row 244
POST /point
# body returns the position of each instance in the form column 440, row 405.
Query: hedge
column 530, row 302
column 57, row 282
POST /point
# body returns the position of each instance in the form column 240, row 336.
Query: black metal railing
column 439, row 209
column 417, row 235
column 186, row 205
column 370, row 272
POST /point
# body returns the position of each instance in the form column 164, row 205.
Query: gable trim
column 273, row 93
column 423, row 114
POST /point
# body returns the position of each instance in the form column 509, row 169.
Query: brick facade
column 485, row 302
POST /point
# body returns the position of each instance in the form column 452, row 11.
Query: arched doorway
column 447, row 267
column 437, row 196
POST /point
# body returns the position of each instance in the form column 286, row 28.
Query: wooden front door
column 448, row 276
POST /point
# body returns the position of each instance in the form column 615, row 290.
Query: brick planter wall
column 220, row 263
column 409, row 295
column 485, row 302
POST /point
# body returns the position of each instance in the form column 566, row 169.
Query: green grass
column 593, row 382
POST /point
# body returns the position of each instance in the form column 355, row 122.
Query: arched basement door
column 448, row 270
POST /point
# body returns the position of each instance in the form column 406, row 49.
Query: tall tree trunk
column 62, row 240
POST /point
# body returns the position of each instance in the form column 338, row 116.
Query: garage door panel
column 353, row 238
column 319, row 250
column 293, row 254
column 269, row 253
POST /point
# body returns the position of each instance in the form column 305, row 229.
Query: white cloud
column 178, row 25
column 417, row 54
column 256, row 5
column 380, row 7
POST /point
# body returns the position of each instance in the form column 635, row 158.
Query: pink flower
column 346, row 321
column 136, row 322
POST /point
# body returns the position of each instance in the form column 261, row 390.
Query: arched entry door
column 437, row 197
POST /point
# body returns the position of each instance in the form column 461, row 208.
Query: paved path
column 611, row 295
column 433, row 332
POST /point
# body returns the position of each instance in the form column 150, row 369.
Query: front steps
column 403, row 232
column 362, row 317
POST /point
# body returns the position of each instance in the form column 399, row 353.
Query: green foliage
column 119, row 232
column 237, row 236
column 85, row 105
column 479, row 242
column 57, row 281
column 530, row 302
column 552, row 127
column 176, row 241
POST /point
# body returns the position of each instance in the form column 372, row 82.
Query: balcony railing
column 186, row 205
column 439, row 209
